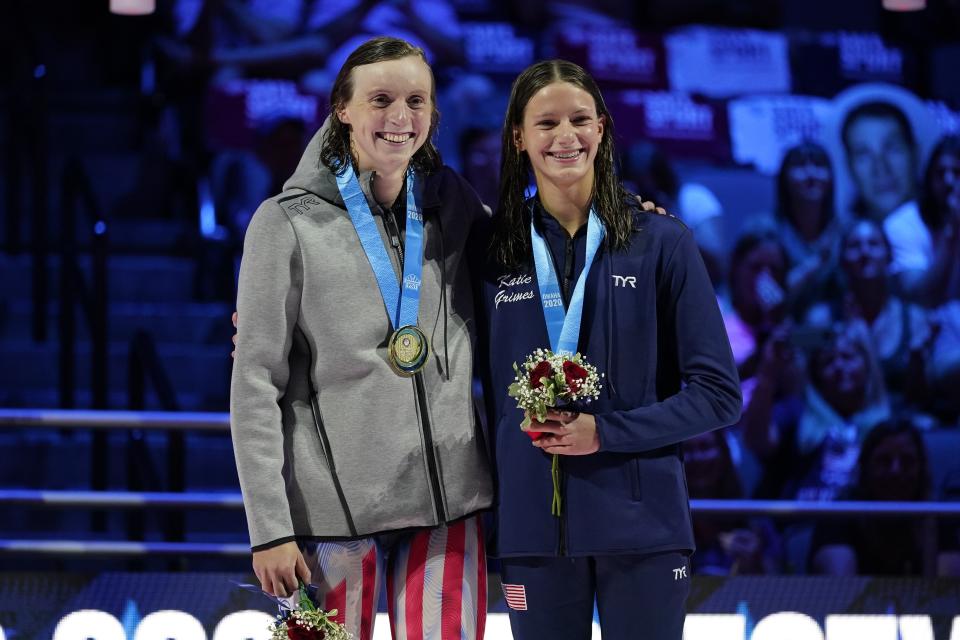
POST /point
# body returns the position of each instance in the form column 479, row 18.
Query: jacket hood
column 313, row 176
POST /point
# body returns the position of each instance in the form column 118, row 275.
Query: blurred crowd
column 846, row 329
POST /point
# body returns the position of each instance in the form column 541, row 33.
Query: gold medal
column 407, row 350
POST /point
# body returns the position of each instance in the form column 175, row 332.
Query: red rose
column 574, row 374
column 542, row 370
column 296, row 632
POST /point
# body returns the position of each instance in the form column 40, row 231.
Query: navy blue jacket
column 651, row 324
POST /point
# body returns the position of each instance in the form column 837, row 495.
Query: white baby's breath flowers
column 553, row 388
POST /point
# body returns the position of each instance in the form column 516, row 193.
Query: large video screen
column 202, row 606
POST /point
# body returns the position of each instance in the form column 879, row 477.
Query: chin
column 567, row 175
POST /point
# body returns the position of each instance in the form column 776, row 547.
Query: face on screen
column 882, row 163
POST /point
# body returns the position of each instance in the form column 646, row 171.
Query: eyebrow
column 379, row 90
column 548, row 114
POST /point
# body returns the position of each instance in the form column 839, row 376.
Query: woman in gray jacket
column 357, row 449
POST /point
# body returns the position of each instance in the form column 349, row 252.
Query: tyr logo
column 679, row 574
column 302, row 205
column 623, row 281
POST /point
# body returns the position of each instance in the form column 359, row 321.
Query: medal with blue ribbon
column 563, row 328
column 407, row 349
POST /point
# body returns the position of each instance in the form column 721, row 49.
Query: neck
column 871, row 298
column 568, row 204
column 807, row 220
column 387, row 186
column 387, row 181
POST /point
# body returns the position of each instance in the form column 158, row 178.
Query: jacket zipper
column 419, row 389
column 568, row 265
column 327, row 451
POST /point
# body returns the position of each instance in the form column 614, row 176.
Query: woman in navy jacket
column 650, row 324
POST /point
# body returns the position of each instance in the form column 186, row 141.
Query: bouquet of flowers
column 546, row 379
column 306, row 621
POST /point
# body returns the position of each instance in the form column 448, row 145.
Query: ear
column 518, row 139
column 601, row 124
column 342, row 116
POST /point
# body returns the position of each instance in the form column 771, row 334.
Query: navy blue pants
column 638, row 597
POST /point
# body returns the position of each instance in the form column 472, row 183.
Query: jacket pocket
column 328, row 456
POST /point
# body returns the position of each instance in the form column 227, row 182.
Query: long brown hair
column 335, row 147
column 802, row 153
column 932, row 211
column 511, row 236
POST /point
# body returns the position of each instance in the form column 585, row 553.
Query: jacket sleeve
column 268, row 304
column 478, row 240
column 691, row 327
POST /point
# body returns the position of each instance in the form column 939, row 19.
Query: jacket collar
column 547, row 224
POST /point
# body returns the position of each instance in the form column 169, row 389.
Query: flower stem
column 555, row 508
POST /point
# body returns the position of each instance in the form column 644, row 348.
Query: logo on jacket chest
column 625, row 281
column 513, row 288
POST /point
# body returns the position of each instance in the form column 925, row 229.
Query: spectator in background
column 881, row 154
column 926, row 239
column 647, row 167
column 900, row 331
column 806, row 222
column 758, row 326
column 812, row 455
column 892, row 467
column 210, row 42
column 242, row 179
column 480, row 161
column 726, row 545
column 467, row 101
column 432, row 25
column 551, row 16
column 756, row 316
column 926, row 266
column 258, row 38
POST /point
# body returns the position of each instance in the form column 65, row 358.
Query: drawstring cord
column 443, row 299
column 611, row 386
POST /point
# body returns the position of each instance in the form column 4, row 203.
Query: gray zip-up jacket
column 329, row 441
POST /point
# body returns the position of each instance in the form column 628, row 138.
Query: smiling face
column 561, row 133
column 865, row 252
column 389, row 113
column 841, row 375
column 809, row 180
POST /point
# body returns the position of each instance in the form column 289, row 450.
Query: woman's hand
column 567, row 433
column 278, row 569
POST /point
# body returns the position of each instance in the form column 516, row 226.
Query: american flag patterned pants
column 436, row 581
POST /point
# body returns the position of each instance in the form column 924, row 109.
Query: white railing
column 80, row 419
column 46, row 418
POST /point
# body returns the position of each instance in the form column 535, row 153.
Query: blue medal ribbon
column 402, row 300
column 564, row 327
